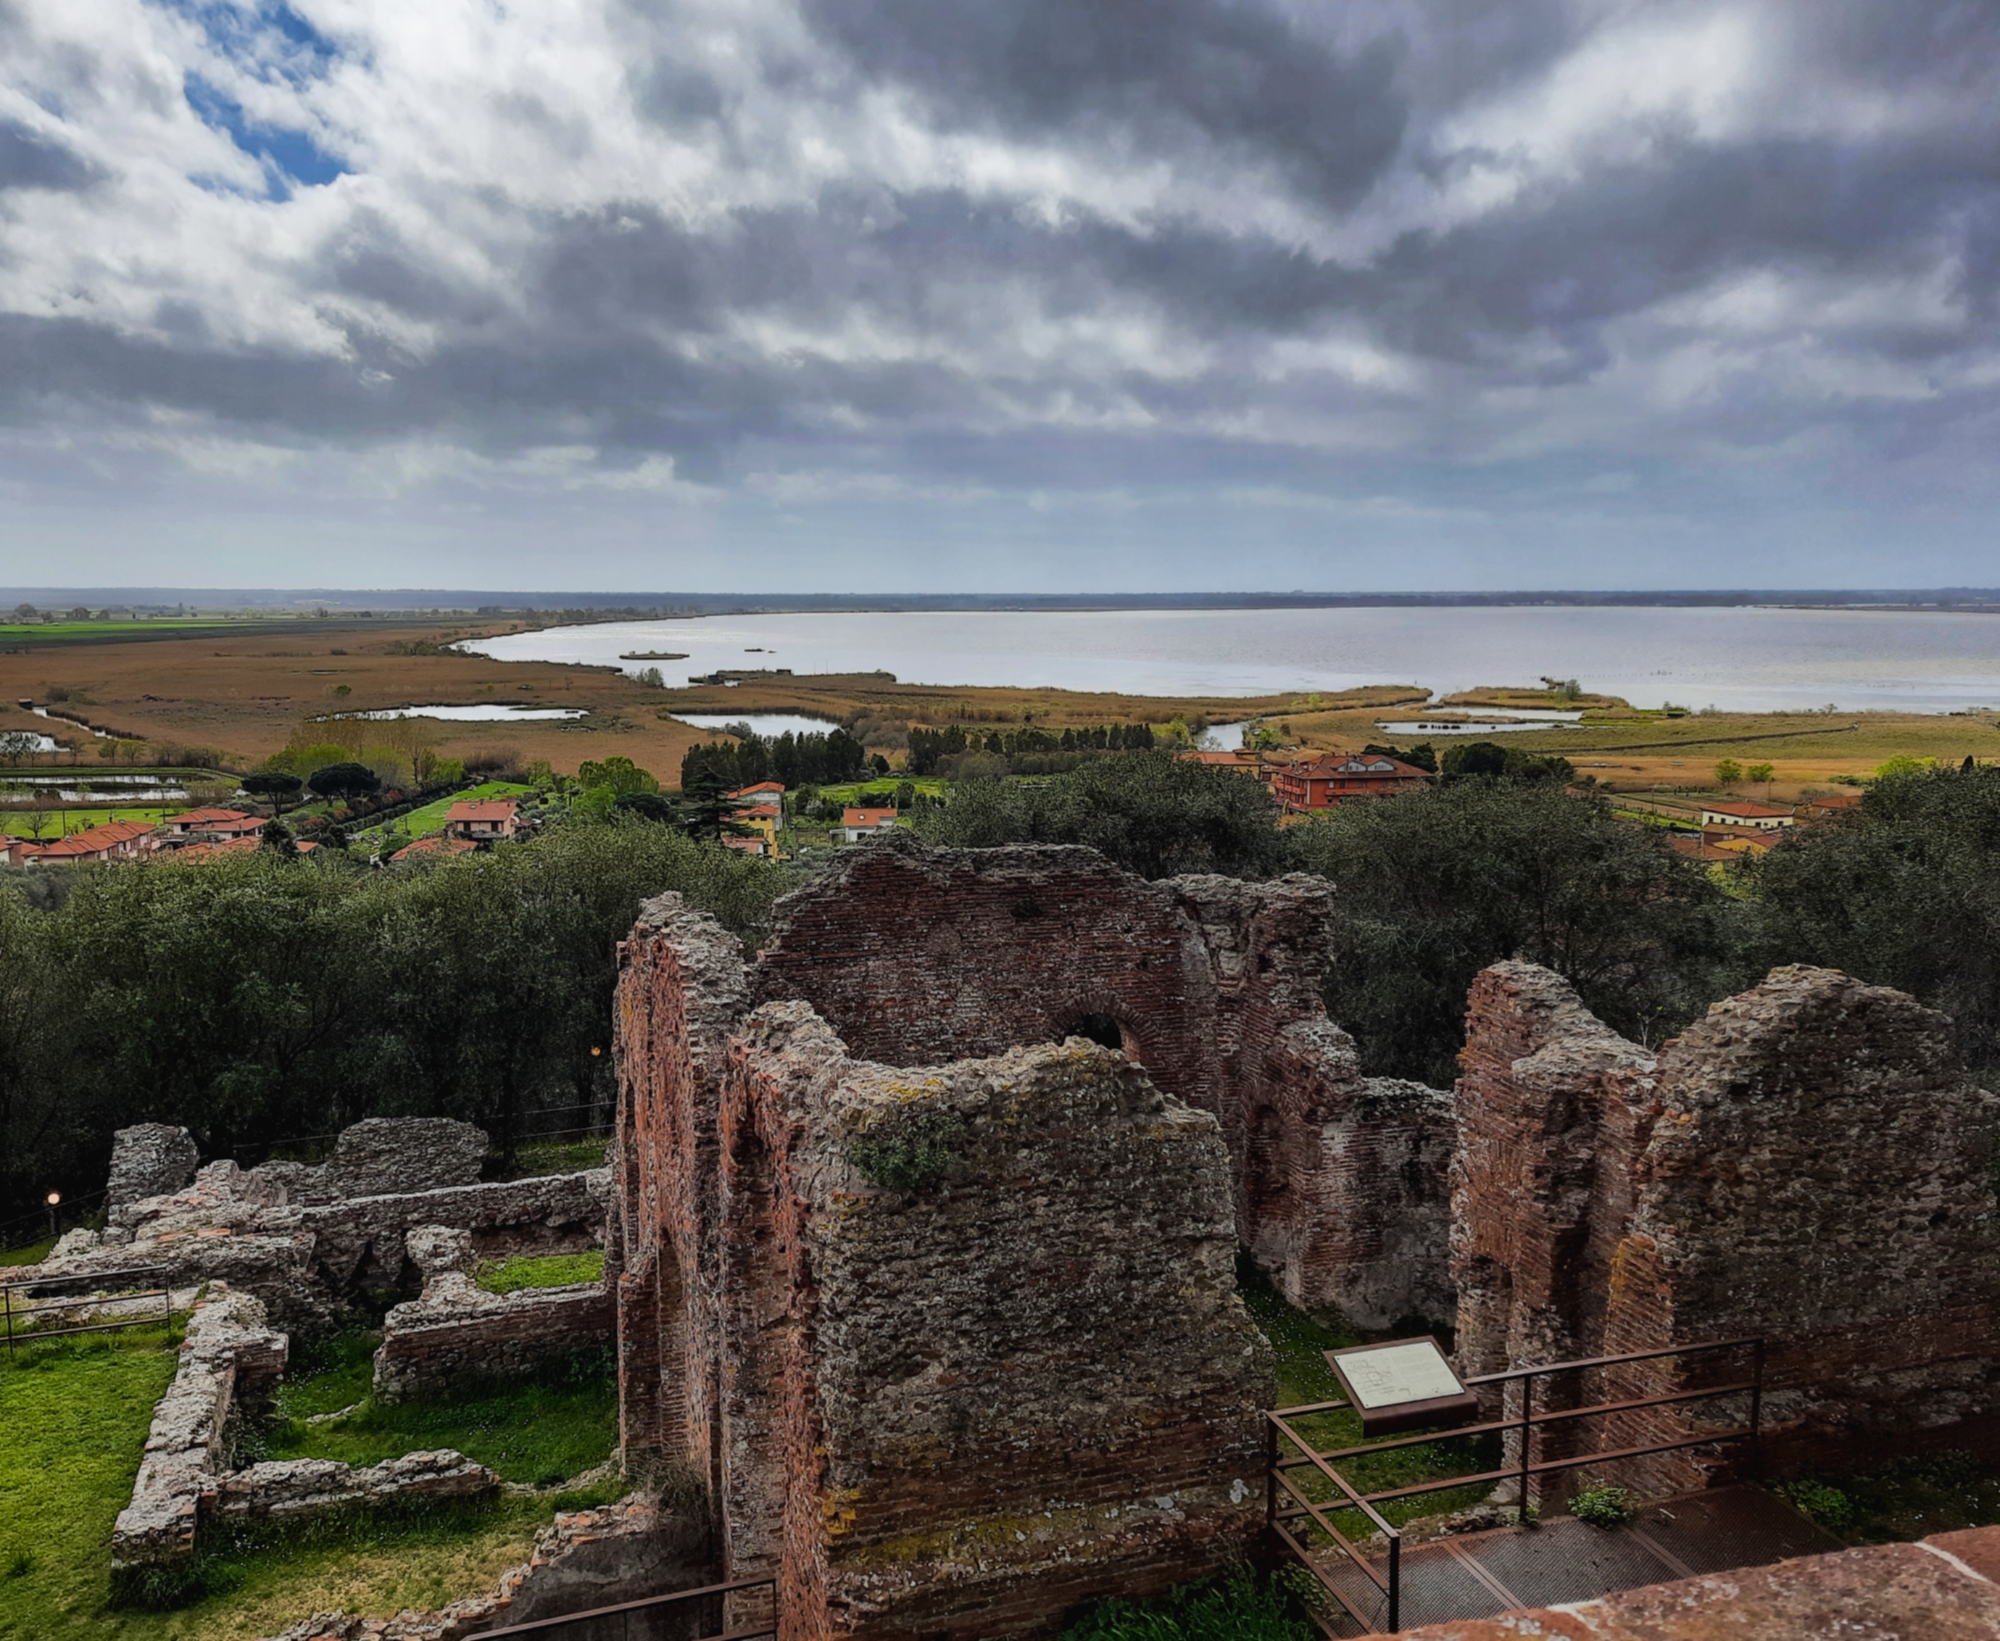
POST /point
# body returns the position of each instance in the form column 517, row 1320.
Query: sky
column 1000, row 295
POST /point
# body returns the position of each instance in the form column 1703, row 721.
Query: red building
column 1338, row 777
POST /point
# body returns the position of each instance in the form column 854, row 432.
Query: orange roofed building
column 213, row 825
column 482, row 820
column 115, row 840
column 1339, row 777
column 858, row 824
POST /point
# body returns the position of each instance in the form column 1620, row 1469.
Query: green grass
column 73, row 1421
column 1300, row 1340
column 430, row 818
column 540, row 1432
column 573, row 1156
column 52, row 630
column 1238, row 1607
column 545, row 1271
column 33, row 1254
column 1904, row 1499
column 16, row 822
column 877, row 793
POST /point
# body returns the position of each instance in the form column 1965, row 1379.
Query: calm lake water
column 1741, row 659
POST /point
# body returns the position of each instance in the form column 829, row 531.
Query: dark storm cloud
column 1180, row 236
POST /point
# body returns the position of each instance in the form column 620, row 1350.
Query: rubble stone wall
column 937, row 1406
column 457, row 1336
column 148, row 1160
column 229, row 1362
column 1807, row 1163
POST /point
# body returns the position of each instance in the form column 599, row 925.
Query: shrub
column 911, row 1151
column 1828, row 1506
column 1602, row 1506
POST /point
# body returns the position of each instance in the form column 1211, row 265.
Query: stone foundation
column 287, row 1491
column 228, row 1365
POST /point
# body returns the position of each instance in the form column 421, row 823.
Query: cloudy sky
column 999, row 294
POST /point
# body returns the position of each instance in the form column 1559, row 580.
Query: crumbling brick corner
column 983, row 1354
column 1808, row 1164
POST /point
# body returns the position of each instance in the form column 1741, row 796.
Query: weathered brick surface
column 1807, row 1163
column 936, row 1407
column 458, row 1336
column 1932, row 1591
column 1213, row 984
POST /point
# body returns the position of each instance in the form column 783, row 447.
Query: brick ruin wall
column 1212, row 984
column 1807, row 1163
column 780, row 1316
column 936, row 1407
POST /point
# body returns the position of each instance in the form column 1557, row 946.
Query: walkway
column 1476, row 1575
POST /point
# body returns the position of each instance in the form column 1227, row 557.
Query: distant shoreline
column 402, row 602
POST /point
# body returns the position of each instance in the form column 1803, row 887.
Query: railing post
column 1757, row 1412
column 1527, row 1435
column 1395, row 1582
column 8, row 1294
column 1270, row 1473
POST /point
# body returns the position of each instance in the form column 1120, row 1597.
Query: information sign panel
column 1403, row 1384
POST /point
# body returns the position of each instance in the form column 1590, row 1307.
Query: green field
column 75, row 1415
column 430, row 818
column 60, row 820
column 59, row 631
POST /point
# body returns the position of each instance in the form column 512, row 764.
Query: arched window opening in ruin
column 1104, row 1030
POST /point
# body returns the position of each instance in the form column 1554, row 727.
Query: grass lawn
column 1303, row 1376
column 567, row 1156
column 18, row 822
column 75, row 1414
column 32, row 1254
column 541, row 1432
column 546, row 1271
column 430, row 818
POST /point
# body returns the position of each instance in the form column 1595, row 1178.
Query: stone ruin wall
column 1213, row 985
column 781, row 1316
column 1807, row 1163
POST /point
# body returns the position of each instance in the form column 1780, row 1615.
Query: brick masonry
column 1807, row 1163
column 921, row 1402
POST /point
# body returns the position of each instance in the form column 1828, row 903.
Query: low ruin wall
column 229, row 1362
column 458, row 1336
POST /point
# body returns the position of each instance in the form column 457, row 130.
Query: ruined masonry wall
column 458, row 1336
column 938, row 1407
column 1807, row 1163
column 229, row 1360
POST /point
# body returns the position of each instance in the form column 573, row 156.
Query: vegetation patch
column 1300, row 1341
column 541, row 1431
column 1602, row 1506
column 543, row 1271
column 911, row 1151
column 1903, row 1500
column 1237, row 1607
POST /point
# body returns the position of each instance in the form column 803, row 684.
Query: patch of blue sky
column 291, row 158
column 271, row 41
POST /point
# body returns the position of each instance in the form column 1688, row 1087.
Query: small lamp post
column 54, row 1200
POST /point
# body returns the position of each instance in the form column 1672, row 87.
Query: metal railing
column 18, row 1311
column 1524, row 1423
column 653, row 1618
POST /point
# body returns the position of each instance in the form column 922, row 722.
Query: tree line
column 795, row 760
column 929, row 748
column 256, row 998
column 1435, row 885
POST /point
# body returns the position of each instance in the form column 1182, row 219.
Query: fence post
column 7, row 1293
column 1527, row 1435
column 1395, row 1582
column 1270, row 1474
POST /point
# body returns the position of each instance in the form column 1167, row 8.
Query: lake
column 1750, row 659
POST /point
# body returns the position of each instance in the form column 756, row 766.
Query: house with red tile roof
column 1756, row 817
column 483, row 820
column 763, row 791
column 1340, row 777
column 115, row 840
column 438, row 843
column 857, row 824
column 758, row 845
column 211, row 825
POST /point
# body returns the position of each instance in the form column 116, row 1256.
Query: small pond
column 484, row 712
column 768, row 724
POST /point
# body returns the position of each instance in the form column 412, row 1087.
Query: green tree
column 344, row 780
column 620, row 774
column 1437, row 884
column 1903, row 891
column 274, row 785
column 1152, row 815
column 1761, row 775
column 1727, row 773
column 277, row 838
column 707, row 810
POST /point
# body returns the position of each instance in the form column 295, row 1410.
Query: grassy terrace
column 1303, row 1377
column 75, row 1415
